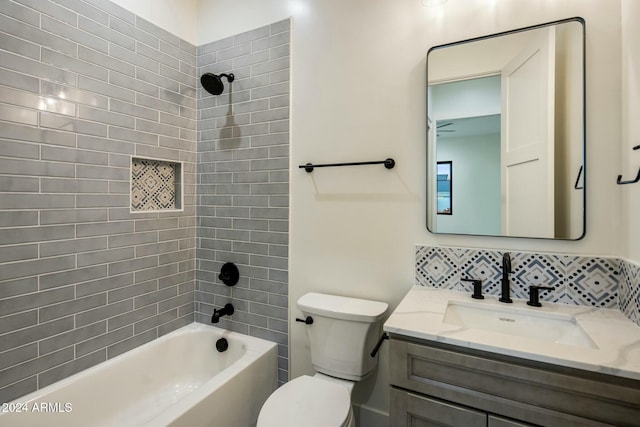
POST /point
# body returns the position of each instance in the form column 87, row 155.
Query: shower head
column 212, row 83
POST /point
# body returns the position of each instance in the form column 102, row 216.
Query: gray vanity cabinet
column 435, row 384
column 410, row 409
column 494, row 421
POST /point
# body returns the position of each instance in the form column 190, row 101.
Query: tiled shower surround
column 85, row 86
column 592, row 281
column 243, row 184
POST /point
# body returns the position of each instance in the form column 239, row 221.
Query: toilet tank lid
column 340, row 307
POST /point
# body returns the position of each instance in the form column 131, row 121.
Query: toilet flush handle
column 307, row 321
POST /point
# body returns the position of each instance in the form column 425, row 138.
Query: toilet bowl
column 342, row 331
column 310, row 402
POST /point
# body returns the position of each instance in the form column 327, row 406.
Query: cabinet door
column 495, row 421
column 411, row 410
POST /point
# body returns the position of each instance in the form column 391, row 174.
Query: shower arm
column 230, row 77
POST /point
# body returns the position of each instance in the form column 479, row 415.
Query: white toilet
column 341, row 337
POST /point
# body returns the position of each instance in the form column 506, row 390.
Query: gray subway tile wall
column 243, row 184
column 85, row 85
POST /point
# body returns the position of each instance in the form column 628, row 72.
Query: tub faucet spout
column 506, row 286
column 227, row 310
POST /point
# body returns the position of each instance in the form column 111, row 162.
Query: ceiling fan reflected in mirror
column 443, row 125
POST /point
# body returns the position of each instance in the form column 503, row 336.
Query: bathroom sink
column 549, row 327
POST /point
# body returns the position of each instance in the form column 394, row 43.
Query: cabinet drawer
column 494, row 421
column 412, row 410
column 512, row 387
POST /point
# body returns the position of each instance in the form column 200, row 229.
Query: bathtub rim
column 255, row 347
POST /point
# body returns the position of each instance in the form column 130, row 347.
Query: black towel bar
column 388, row 163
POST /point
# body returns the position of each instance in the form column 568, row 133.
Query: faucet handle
column 477, row 288
column 534, row 294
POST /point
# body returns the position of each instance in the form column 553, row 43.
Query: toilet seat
column 307, row 401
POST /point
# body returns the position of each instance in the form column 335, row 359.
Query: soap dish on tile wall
column 155, row 185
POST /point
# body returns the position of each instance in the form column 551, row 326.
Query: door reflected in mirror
column 508, row 111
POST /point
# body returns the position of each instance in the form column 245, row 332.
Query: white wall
column 476, row 184
column 484, row 57
column 466, row 98
column 218, row 19
column 176, row 16
column 631, row 125
column 358, row 87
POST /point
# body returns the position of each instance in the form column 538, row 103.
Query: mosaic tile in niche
column 154, row 185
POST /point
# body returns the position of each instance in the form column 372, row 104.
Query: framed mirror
column 508, row 110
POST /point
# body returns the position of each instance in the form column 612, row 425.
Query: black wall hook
column 631, row 181
column 619, row 181
column 229, row 274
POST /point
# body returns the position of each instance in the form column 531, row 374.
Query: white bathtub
column 177, row 380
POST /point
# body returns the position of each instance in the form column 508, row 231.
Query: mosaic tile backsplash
column 629, row 292
column 154, row 185
column 592, row 281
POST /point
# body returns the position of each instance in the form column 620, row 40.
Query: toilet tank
column 343, row 333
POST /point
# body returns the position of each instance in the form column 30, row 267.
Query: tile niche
column 155, row 185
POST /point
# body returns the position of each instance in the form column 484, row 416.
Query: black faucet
column 506, row 287
column 227, row 310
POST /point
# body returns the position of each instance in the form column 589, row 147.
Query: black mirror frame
column 584, row 122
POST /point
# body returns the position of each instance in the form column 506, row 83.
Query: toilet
column 343, row 333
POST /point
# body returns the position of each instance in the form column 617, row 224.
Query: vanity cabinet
column 436, row 384
column 414, row 410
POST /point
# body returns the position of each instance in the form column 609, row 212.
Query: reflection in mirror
column 445, row 188
column 508, row 111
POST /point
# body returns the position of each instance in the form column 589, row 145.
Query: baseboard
column 369, row 417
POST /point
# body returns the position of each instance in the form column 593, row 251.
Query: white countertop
column 421, row 313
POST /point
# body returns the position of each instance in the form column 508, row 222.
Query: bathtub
column 179, row 379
